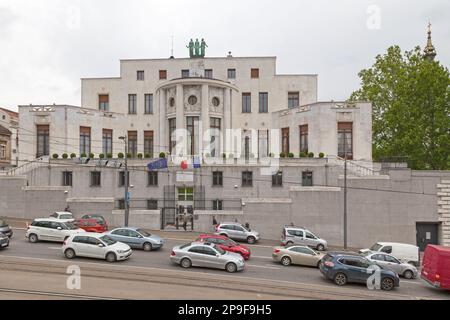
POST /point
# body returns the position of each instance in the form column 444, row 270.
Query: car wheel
column 340, row 279
column 231, row 267
column 387, row 284
column 285, row 261
column 33, row 238
column 408, row 274
column 321, row 247
column 69, row 253
column 148, row 246
column 186, row 263
column 111, row 257
column 251, row 240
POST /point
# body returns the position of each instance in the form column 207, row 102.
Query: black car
column 4, row 240
column 4, row 228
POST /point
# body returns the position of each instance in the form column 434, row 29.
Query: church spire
column 429, row 51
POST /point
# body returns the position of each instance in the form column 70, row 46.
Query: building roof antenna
column 171, row 51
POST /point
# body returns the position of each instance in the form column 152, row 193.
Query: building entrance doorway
column 426, row 233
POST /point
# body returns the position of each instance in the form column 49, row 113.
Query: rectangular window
column 293, row 99
column 254, row 73
column 304, row 138
column 96, row 178
column 285, row 141
column 217, row 204
column 192, row 135
column 208, row 73
column 172, row 137
column 277, row 179
column 247, row 178
column 122, row 178
column 85, row 141
column 107, row 138
column 67, row 178
column 263, row 143
column 132, row 143
column 120, row 204
column 246, row 102
column 345, row 140
column 103, row 102
column 185, row 73
column 307, row 178
column 43, row 145
column 263, row 102
column 140, row 75
column 152, row 178
column 148, row 107
column 217, row 178
column 2, row 151
column 215, row 136
column 162, row 74
column 132, row 99
column 185, row 194
column 148, row 144
column 152, row 204
column 231, row 73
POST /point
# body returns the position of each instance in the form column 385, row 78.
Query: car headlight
column 121, row 251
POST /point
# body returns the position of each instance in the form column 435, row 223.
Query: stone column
column 226, row 123
column 161, row 107
column 443, row 202
column 179, row 105
column 204, row 125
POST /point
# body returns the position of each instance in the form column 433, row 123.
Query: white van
column 404, row 252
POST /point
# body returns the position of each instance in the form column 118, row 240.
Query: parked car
column 137, row 238
column 436, row 266
column 4, row 240
column 50, row 229
column 95, row 245
column 404, row 252
column 5, row 229
column 63, row 215
column 237, row 231
column 298, row 235
column 226, row 244
column 90, row 225
column 343, row 268
column 301, row 255
column 97, row 217
column 203, row 254
column 403, row 269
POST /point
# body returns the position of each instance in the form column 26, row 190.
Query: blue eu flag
column 158, row 164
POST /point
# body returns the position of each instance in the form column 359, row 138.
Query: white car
column 63, row 215
column 50, row 229
column 402, row 251
column 95, row 245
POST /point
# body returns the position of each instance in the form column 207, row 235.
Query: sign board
column 185, row 176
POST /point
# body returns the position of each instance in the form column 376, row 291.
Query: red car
column 91, row 225
column 436, row 266
column 226, row 244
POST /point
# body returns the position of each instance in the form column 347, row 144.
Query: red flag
column 184, row 165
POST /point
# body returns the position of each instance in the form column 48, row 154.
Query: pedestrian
column 214, row 221
column 67, row 209
column 185, row 220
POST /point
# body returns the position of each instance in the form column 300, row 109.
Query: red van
column 436, row 266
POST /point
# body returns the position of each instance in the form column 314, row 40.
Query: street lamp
column 127, row 194
column 345, row 192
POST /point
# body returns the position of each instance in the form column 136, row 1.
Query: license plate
column 4, row 244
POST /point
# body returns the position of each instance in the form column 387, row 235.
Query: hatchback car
column 137, row 238
column 226, row 244
column 97, row 217
column 4, row 240
column 237, row 231
column 94, row 245
column 403, row 269
column 50, row 229
column 291, row 235
column 343, row 268
column 90, row 225
column 5, row 229
column 63, row 215
column 301, row 255
column 208, row 255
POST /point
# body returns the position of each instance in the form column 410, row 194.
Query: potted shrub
column 83, row 155
column 129, row 155
column 224, row 156
column 55, row 156
column 311, row 155
column 140, row 155
column 109, row 155
column 303, row 154
column 282, row 155
column 120, row 155
column 290, row 155
column 321, row 155
column 65, row 155
column 91, row 155
column 162, row 155
column 73, row 155
column 271, row 155
column 101, row 155
column 147, row 155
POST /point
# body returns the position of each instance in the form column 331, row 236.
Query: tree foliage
column 410, row 98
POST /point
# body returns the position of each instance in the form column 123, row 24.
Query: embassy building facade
column 267, row 153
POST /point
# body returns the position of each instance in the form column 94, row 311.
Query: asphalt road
column 260, row 268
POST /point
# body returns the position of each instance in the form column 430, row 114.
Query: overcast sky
column 46, row 46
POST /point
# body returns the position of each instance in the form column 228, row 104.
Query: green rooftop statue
column 197, row 49
column 191, row 48
column 203, row 46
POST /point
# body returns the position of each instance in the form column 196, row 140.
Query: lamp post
column 127, row 194
column 345, row 193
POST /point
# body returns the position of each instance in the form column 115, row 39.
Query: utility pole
column 127, row 180
column 345, row 193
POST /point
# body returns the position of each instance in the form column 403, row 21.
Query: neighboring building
column 9, row 126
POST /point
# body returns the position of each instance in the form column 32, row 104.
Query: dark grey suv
column 5, row 229
column 4, row 241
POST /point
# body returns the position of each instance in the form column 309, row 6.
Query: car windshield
column 220, row 250
column 365, row 254
column 107, row 240
column 70, row 226
column 65, row 216
column 376, row 247
column 2, row 223
column 231, row 243
column 143, row 233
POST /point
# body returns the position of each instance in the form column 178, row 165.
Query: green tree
column 410, row 98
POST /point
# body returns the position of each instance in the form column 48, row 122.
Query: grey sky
column 46, row 46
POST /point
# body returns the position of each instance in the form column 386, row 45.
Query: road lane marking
column 265, row 267
column 261, row 257
column 55, row 248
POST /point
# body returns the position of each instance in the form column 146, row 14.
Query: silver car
column 136, row 238
column 387, row 261
column 202, row 254
column 237, row 231
column 5, row 229
column 298, row 235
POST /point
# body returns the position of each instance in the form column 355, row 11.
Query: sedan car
column 226, row 244
column 403, row 269
column 343, row 268
column 301, row 255
column 94, row 245
column 237, row 231
column 5, row 229
column 137, row 238
column 4, row 240
column 208, row 255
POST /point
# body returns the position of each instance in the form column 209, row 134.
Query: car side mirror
column 217, row 255
column 59, row 228
column 100, row 245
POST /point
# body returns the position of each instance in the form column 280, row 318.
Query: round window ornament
column 192, row 100
column 215, row 102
